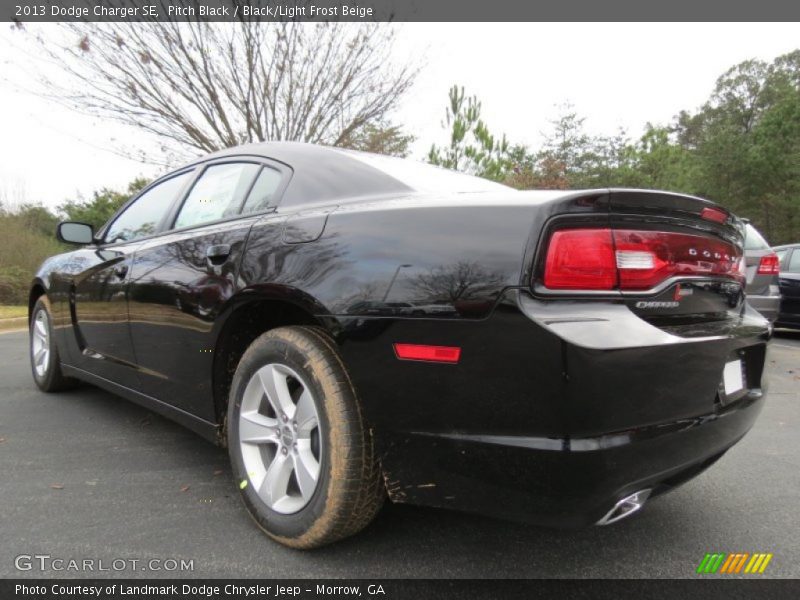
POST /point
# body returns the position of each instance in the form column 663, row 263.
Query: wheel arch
column 37, row 291
column 249, row 314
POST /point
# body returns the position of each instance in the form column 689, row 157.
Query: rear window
column 753, row 239
column 262, row 196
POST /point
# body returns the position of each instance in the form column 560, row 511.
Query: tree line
column 741, row 148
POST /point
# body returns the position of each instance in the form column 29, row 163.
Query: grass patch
column 9, row 312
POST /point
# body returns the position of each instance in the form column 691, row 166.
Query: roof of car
column 320, row 172
column 325, row 173
column 287, row 152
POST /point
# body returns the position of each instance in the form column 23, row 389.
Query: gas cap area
column 305, row 226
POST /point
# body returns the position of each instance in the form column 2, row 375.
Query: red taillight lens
column 769, row 265
column 605, row 259
column 671, row 254
column 581, row 259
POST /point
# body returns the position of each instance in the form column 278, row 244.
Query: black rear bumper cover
column 548, row 420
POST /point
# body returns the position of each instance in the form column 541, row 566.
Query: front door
column 99, row 292
column 98, row 303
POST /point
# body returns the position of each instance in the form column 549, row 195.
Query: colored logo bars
column 738, row 562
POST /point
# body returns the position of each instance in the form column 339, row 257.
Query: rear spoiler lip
column 660, row 205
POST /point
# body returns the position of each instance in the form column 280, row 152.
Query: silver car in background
column 763, row 267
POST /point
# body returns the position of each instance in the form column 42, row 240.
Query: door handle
column 120, row 271
column 218, row 253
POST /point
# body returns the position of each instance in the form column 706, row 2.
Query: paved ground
column 122, row 470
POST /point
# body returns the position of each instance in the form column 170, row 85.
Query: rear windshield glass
column 427, row 178
column 753, row 239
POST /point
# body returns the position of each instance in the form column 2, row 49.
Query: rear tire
column 301, row 454
column 45, row 360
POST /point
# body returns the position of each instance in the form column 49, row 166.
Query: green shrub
column 23, row 248
column 14, row 285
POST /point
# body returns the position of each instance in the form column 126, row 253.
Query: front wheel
column 301, row 454
column 45, row 361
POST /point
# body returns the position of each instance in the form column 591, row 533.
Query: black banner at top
column 22, row 11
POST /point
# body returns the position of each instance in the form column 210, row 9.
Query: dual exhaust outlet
column 626, row 507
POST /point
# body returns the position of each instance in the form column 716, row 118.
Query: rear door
column 790, row 288
column 99, row 294
column 182, row 280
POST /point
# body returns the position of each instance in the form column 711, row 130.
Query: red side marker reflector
column 443, row 354
column 714, row 214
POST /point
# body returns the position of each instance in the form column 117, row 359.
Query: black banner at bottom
column 391, row 589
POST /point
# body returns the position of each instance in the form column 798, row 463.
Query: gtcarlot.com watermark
column 46, row 562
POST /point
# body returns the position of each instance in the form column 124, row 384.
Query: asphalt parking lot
column 88, row 475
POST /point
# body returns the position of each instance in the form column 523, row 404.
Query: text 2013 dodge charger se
column 354, row 326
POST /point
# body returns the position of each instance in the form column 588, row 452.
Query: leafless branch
column 199, row 87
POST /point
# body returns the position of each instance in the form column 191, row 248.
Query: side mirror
column 73, row 232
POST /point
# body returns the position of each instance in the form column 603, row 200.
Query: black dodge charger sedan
column 353, row 326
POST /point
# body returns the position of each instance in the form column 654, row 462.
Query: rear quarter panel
column 447, row 259
column 454, row 260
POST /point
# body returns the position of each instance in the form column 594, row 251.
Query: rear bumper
column 565, row 482
column 768, row 306
column 552, row 416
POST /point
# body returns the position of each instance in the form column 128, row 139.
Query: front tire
column 45, row 361
column 301, row 454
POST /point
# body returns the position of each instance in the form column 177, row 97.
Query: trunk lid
column 708, row 234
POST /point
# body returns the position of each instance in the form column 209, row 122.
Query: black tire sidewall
column 274, row 523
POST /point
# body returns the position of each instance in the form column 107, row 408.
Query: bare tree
column 200, row 86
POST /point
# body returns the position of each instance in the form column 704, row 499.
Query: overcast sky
column 615, row 75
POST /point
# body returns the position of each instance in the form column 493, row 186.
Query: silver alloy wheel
column 40, row 343
column 280, row 438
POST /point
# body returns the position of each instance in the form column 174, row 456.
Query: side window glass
column 217, row 194
column 782, row 257
column 754, row 240
column 262, row 196
column 142, row 217
column 794, row 262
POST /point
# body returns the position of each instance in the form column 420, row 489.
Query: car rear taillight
column 607, row 259
column 581, row 259
column 769, row 265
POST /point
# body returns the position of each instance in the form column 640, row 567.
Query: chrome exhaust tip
column 626, row 507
